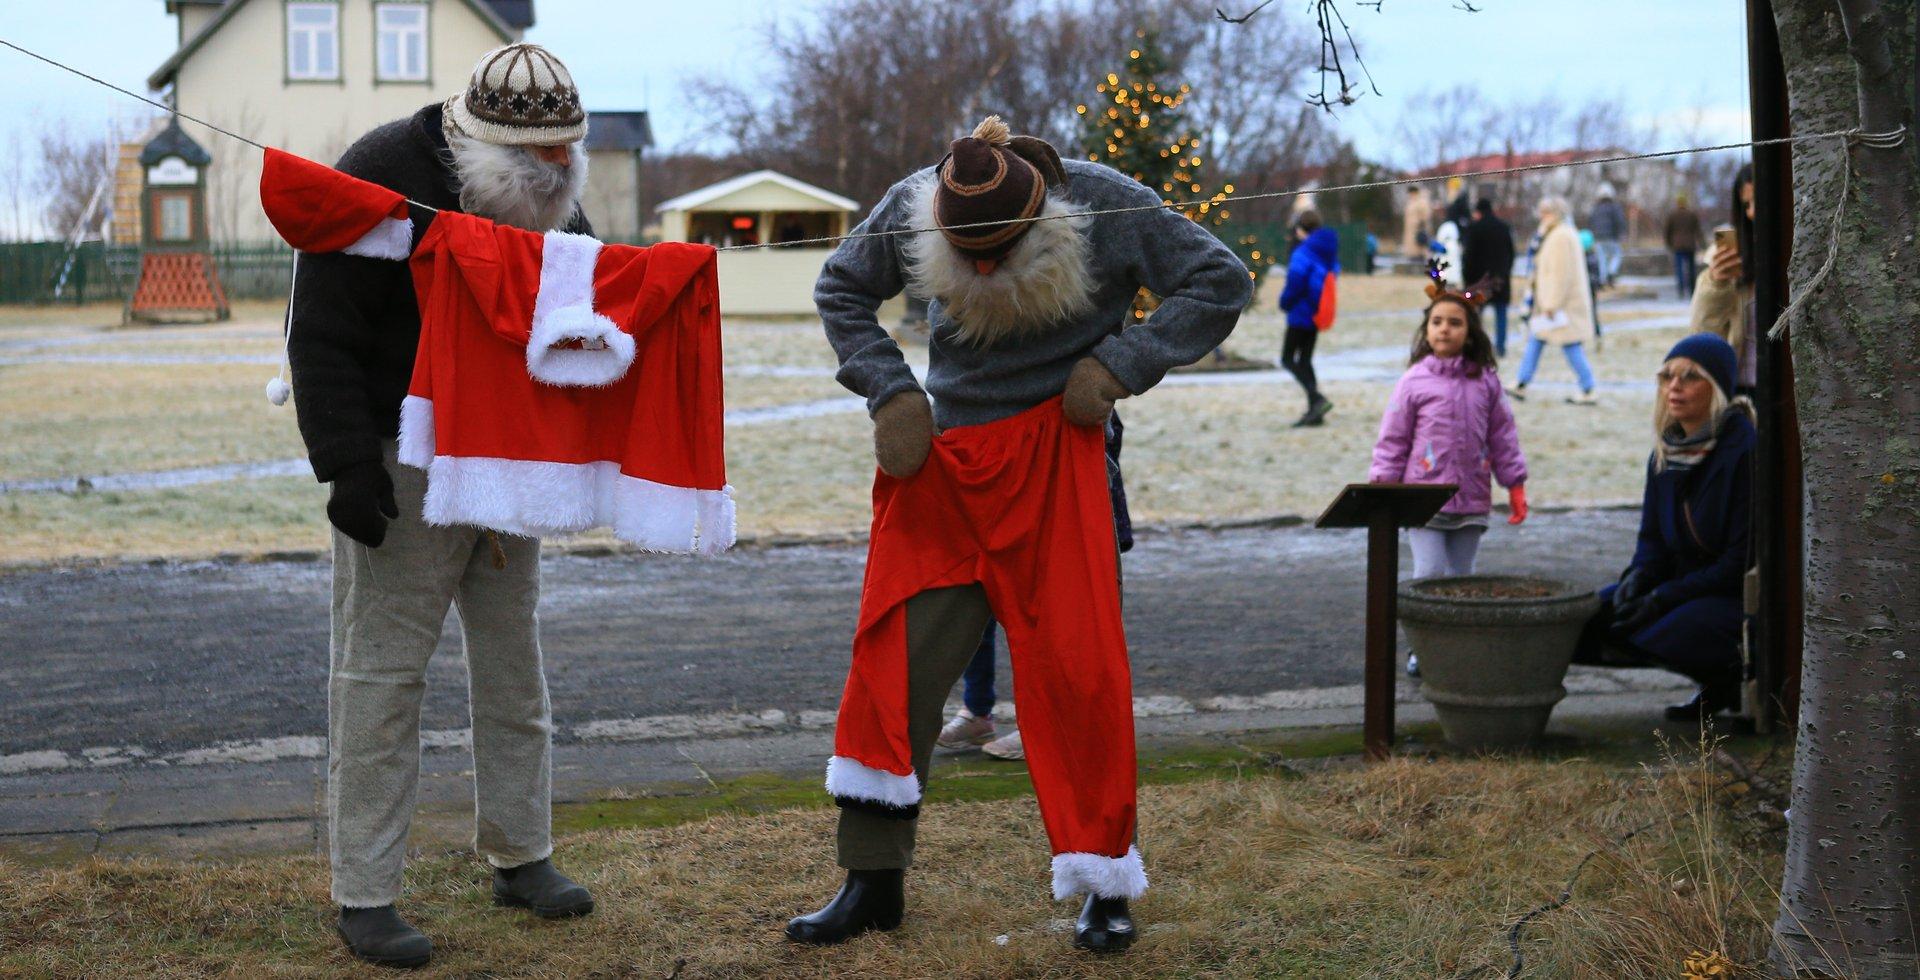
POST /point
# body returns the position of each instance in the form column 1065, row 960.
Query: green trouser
column 943, row 631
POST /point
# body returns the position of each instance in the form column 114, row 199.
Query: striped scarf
column 1684, row 452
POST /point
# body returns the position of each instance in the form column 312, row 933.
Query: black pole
column 1776, row 622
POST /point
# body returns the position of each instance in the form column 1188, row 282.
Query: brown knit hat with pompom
column 994, row 177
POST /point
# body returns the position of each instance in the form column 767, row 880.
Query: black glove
column 362, row 503
column 1633, row 585
column 1634, row 616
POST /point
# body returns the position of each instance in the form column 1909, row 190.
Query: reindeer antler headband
column 1475, row 295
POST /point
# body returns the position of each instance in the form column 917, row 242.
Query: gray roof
column 609, row 129
column 517, row 13
column 174, row 142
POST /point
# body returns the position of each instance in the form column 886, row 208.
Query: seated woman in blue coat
column 1679, row 605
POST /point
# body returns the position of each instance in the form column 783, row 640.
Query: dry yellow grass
column 1408, row 869
column 87, row 419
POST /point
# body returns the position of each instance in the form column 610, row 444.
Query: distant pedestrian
column 1723, row 297
column 1449, row 422
column 1373, row 251
column 1314, row 263
column 1447, row 241
column 1413, row 225
column 1683, row 240
column 1487, row 256
column 1591, row 256
column 1609, row 225
column 1559, row 304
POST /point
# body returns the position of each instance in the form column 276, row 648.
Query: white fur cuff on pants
column 1107, row 877
column 850, row 780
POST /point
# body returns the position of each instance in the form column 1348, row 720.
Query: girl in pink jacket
column 1449, row 422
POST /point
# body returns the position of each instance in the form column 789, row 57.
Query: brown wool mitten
column 1091, row 392
column 903, row 434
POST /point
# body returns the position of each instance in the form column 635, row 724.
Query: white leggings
column 1444, row 552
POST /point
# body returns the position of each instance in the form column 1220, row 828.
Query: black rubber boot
column 541, row 887
column 1105, row 925
column 869, row 900
column 380, row 935
column 1712, row 699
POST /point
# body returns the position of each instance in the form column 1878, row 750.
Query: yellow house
column 615, row 143
column 756, row 208
column 311, row 76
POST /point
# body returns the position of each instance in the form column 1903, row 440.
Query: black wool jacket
column 355, row 322
column 1486, row 249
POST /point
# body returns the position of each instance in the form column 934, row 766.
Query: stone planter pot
column 1493, row 651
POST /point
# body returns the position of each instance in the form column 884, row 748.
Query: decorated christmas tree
column 1136, row 125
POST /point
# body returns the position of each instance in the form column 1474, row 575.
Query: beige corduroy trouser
column 389, row 604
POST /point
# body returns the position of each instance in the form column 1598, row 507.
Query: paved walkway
column 155, row 703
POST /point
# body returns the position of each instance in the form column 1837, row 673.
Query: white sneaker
column 1007, row 747
column 1517, row 392
column 965, row 731
column 1583, row 398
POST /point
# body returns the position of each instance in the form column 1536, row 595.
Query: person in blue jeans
column 973, row 726
column 1559, row 301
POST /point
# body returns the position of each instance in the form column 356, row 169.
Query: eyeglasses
column 1682, row 376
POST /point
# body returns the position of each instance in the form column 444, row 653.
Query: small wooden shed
column 760, row 208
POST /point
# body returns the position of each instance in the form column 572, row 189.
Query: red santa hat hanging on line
column 560, row 384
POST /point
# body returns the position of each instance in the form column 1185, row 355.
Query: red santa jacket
column 560, row 384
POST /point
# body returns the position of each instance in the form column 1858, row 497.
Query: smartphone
column 1723, row 239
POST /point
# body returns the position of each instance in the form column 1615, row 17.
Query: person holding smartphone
column 1723, row 294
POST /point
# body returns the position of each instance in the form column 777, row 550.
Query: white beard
column 510, row 185
column 1045, row 279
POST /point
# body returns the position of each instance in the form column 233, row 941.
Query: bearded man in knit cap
column 992, row 495
column 509, row 148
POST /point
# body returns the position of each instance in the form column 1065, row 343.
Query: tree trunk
column 1850, row 905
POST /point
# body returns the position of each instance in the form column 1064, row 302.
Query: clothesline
column 1876, row 139
column 1889, row 138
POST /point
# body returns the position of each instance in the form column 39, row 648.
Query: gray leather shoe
column 380, row 935
column 542, row 888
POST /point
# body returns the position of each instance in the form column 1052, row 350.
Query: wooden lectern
column 1383, row 509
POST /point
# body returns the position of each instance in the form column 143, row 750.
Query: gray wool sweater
column 1203, row 287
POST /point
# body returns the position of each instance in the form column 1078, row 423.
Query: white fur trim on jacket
column 540, row 499
column 848, row 779
column 392, row 238
column 1108, row 877
column 563, row 311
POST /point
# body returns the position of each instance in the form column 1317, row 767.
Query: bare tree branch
column 1244, row 17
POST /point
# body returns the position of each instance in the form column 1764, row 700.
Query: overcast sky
column 1665, row 59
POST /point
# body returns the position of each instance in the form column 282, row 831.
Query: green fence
column 48, row 272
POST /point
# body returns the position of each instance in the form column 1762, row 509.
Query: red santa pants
column 1020, row 506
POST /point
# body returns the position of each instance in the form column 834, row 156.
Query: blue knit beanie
column 1715, row 356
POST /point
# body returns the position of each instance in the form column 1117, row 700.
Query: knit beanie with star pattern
column 519, row 95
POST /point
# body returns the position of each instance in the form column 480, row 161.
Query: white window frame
column 175, row 218
column 313, row 41
column 400, row 35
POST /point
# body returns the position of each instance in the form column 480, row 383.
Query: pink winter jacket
column 1446, row 426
